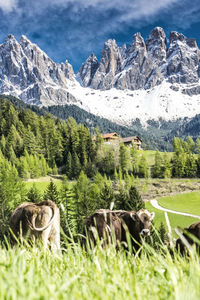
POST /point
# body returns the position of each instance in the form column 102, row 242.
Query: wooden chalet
column 129, row 141
column 114, row 137
column 110, row 137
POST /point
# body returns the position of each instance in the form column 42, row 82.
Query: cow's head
column 144, row 218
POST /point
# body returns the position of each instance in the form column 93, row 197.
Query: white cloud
column 8, row 6
column 129, row 9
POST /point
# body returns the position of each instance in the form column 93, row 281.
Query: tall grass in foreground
column 29, row 273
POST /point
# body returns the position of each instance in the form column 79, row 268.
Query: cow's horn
column 33, row 227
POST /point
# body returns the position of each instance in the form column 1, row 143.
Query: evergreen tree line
column 40, row 145
column 185, row 161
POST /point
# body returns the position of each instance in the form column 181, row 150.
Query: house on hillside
column 113, row 137
column 109, row 138
column 129, row 141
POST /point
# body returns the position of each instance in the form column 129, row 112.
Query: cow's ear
column 152, row 215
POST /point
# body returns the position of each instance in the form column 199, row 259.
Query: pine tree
column 90, row 169
column 3, row 144
column 43, row 166
column 134, row 158
column 106, row 195
column 76, row 166
column 157, row 168
column 166, row 166
column 51, row 192
column 67, row 208
column 190, row 165
column 176, row 145
column 11, row 155
column 135, row 199
column 190, row 144
column 197, row 146
column 108, row 163
column 12, row 192
column 23, row 168
column 84, row 206
column 179, row 160
column 122, row 199
column 143, row 167
column 33, row 194
column 123, row 158
column 127, row 180
column 73, row 136
column 115, row 176
column 69, row 166
column 99, row 139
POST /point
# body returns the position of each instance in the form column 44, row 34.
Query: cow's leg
column 54, row 239
column 45, row 237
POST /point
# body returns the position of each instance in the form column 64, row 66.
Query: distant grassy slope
column 175, row 220
column 187, row 202
column 150, row 156
column 42, row 186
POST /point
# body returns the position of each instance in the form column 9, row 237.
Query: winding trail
column 155, row 204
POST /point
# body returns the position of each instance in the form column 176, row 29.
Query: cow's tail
column 32, row 222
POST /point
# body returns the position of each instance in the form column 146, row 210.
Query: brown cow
column 193, row 229
column 41, row 220
column 105, row 224
column 136, row 223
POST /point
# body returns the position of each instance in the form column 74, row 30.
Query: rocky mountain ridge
column 146, row 80
column 27, row 72
column 146, row 64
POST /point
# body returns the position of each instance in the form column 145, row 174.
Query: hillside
column 156, row 135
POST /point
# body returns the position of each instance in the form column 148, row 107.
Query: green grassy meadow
column 175, row 220
column 101, row 274
column 150, row 156
column 187, row 202
column 30, row 273
column 42, row 186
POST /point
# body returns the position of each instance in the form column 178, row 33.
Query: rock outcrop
column 146, row 64
column 28, row 73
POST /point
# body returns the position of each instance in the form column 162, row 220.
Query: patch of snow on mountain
column 123, row 107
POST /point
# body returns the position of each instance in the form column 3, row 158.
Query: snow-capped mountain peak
column 144, row 80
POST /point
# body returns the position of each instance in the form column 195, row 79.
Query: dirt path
column 155, row 204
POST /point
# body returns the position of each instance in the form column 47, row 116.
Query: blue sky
column 74, row 29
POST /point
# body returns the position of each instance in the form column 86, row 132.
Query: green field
column 42, row 186
column 175, row 220
column 187, row 202
column 150, row 156
column 101, row 274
